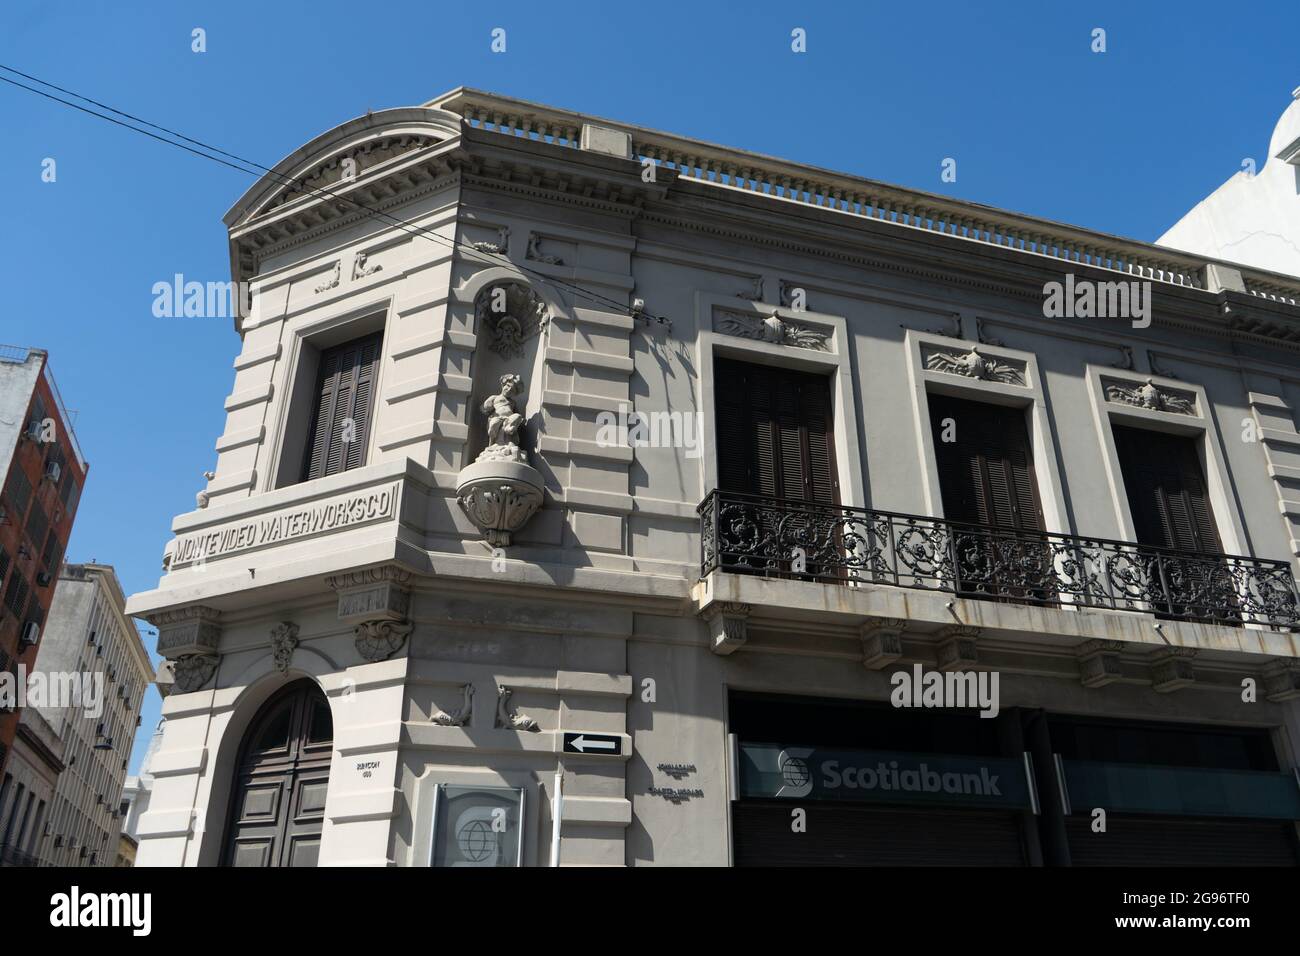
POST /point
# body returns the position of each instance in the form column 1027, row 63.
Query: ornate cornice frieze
column 353, row 579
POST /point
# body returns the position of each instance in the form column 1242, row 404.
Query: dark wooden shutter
column 345, row 390
column 986, row 475
column 1166, row 490
column 775, row 432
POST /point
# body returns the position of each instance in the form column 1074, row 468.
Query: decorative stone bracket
column 374, row 594
column 380, row 640
column 726, row 621
column 1099, row 662
column 957, row 650
column 190, row 639
column 1172, row 670
column 882, row 642
column 1282, row 681
column 188, row 630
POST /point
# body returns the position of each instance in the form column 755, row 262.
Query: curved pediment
column 350, row 152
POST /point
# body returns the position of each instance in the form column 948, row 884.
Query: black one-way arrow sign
column 585, row 743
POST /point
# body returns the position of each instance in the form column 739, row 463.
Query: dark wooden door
column 1168, row 500
column 278, row 804
column 776, row 455
column 987, row 481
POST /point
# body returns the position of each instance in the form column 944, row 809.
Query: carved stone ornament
column 333, row 280
column 1152, row 396
column 504, row 424
column 511, row 313
column 192, row 671
column 507, row 719
column 500, row 491
column 457, row 718
column 755, row 292
column 360, row 269
column 495, row 248
column 534, row 251
column 284, row 641
column 773, row 329
column 380, row 640
column 201, row 497
column 727, row 626
column 972, row 364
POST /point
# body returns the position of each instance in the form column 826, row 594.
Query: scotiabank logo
column 919, row 779
column 796, row 776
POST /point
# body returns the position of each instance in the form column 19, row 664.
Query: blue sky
column 1124, row 141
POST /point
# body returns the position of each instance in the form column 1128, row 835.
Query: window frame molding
column 291, row 427
column 835, row 362
column 1030, row 397
column 1224, row 506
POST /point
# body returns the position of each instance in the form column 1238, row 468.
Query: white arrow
column 583, row 744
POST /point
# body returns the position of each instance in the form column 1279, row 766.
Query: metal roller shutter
column 875, row 836
column 1179, row 841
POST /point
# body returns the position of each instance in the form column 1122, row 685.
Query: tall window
column 986, row 465
column 340, row 428
column 774, row 432
column 1166, row 490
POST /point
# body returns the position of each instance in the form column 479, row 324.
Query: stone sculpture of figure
column 504, row 423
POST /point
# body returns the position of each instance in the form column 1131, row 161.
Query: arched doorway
column 278, row 801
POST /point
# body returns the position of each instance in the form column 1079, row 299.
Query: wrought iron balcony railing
column 780, row 538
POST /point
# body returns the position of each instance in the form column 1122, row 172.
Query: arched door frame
column 294, row 770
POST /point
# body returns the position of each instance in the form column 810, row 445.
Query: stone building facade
column 489, row 570
column 89, row 635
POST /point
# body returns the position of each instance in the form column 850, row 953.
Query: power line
column 258, row 169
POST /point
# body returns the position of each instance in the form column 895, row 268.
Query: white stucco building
column 1252, row 219
column 445, row 602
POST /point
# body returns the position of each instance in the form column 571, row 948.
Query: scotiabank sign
column 815, row 773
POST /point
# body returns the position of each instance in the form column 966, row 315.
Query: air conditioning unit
column 31, row 633
column 34, row 430
column 53, row 471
